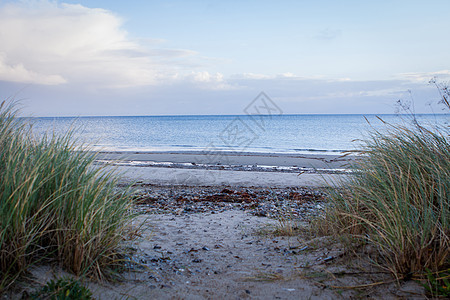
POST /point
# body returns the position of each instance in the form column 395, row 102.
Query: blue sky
column 75, row 58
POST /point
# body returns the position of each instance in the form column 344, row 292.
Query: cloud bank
column 80, row 61
column 50, row 43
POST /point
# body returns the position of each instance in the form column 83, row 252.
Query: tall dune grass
column 54, row 205
column 400, row 199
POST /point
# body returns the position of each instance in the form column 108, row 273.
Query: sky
column 126, row 58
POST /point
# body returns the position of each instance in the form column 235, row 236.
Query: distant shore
column 227, row 168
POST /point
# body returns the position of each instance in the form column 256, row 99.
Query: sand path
column 214, row 256
column 225, row 256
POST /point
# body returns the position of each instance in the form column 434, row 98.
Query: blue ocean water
column 267, row 134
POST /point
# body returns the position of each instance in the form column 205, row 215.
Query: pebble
column 299, row 203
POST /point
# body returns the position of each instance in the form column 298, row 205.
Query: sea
column 298, row 134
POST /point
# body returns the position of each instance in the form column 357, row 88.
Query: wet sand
column 316, row 161
column 228, row 169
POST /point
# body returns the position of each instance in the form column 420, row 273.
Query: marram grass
column 400, row 200
column 54, row 205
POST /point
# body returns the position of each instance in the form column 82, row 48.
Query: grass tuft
column 399, row 200
column 63, row 289
column 54, row 204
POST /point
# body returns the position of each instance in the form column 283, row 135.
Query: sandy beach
column 226, row 243
column 208, row 230
column 233, row 226
column 228, row 169
column 220, row 231
column 224, row 150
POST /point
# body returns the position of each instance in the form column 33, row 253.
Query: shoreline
column 226, row 169
column 205, row 159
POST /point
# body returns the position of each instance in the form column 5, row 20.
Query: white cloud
column 45, row 42
column 206, row 80
column 256, row 76
column 251, row 76
column 18, row 73
column 288, row 75
column 423, row 77
column 207, row 77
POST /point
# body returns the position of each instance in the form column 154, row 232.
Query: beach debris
column 299, row 203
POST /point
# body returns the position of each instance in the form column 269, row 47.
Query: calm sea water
column 268, row 134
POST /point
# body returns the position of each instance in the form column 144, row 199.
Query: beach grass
column 54, row 204
column 399, row 199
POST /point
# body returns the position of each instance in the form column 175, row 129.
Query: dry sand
column 202, row 177
column 232, row 255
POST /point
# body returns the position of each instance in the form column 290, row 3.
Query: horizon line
column 239, row 115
